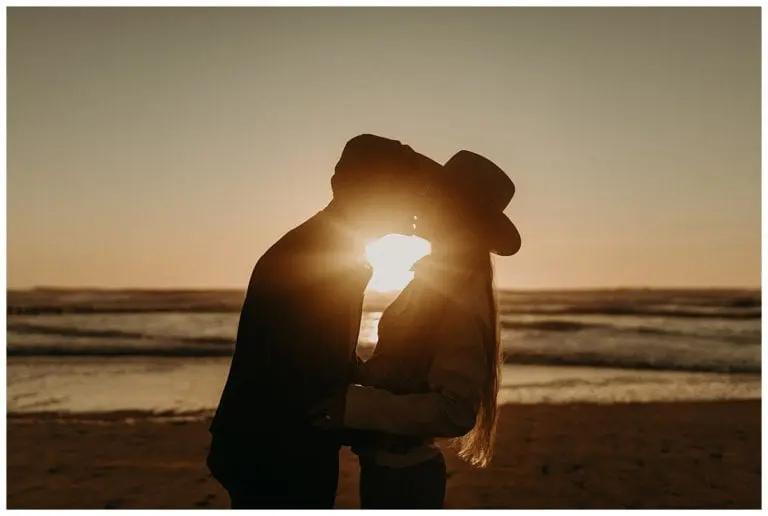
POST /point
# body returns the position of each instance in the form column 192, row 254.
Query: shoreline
column 178, row 386
column 205, row 416
column 580, row 455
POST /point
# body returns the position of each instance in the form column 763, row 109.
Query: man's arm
column 304, row 318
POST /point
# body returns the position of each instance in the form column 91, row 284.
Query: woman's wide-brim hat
column 485, row 190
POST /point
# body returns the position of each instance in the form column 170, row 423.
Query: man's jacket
column 297, row 334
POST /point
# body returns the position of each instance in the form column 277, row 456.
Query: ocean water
column 168, row 351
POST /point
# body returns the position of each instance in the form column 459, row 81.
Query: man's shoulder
column 285, row 261
column 298, row 240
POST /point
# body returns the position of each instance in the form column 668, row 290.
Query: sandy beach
column 651, row 455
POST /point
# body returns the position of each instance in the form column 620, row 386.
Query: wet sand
column 652, row 455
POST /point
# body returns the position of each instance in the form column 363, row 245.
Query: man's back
column 297, row 332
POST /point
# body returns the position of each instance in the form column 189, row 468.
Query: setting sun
column 392, row 257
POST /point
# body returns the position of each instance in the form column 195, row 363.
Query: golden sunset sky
column 172, row 147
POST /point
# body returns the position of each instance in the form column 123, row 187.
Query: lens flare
column 392, row 257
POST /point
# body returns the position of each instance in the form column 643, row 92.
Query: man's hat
column 368, row 157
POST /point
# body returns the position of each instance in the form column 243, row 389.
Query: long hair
column 476, row 447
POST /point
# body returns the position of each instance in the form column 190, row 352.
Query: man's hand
column 329, row 413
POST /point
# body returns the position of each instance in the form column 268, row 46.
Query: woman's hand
column 329, row 413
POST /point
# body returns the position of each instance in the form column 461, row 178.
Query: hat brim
column 504, row 238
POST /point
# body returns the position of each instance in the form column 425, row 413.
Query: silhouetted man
column 298, row 331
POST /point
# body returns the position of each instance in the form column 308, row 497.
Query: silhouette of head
column 380, row 183
column 467, row 207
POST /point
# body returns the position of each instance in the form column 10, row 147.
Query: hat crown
column 368, row 156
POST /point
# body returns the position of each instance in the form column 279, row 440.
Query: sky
column 171, row 147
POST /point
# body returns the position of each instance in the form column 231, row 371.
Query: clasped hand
column 328, row 414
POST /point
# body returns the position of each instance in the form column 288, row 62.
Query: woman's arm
column 458, row 371
column 379, row 366
column 372, row 371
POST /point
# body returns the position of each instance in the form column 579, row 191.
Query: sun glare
column 392, row 257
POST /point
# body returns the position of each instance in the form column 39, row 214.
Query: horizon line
column 522, row 289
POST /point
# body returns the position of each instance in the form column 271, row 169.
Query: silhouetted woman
column 435, row 371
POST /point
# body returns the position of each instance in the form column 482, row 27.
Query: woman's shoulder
column 458, row 292
column 471, row 296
